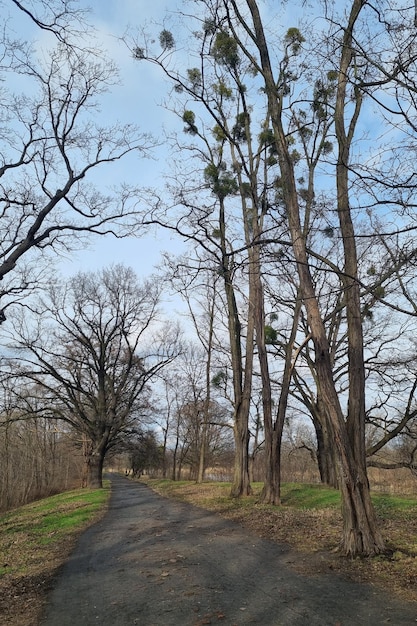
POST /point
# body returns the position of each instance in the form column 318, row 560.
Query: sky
column 138, row 100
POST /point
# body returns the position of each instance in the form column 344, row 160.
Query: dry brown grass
column 314, row 534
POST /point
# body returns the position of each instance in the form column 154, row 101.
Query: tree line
column 301, row 216
column 291, row 178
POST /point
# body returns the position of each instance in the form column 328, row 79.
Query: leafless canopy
column 51, row 140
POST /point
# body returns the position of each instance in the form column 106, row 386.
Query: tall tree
column 92, row 355
column 360, row 534
column 321, row 192
column 234, row 158
column 206, row 223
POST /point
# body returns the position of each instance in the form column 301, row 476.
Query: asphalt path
column 156, row 562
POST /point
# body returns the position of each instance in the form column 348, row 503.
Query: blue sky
column 139, row 100
column 136, row 100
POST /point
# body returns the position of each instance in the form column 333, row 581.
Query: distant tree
column 199, row 427
column 145, row 454
column 90, row 356
column 37, row 458
column 196, row 426
column 200, row 293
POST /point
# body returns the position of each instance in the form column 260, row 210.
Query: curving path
column 156, row 562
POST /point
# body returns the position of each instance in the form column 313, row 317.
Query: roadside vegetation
column 35, row 540
column 310, row 521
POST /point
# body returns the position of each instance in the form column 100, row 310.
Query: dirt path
column 157, row 562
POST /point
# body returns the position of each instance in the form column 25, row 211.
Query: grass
column 301, row 496
column 34, row 541
column 309, row 496
column 46, row 522
column 310, row 522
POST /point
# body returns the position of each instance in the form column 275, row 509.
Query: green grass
column 306, row 496
column 294, row 495
column 388, row 504
column 26, row 532
column 304, row 508
column 303, row 496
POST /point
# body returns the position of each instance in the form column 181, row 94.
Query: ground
column 310, row 536
column 22, row 597
column 314, row 536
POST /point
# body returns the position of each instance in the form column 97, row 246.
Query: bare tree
column 64, row 19
column 145, row 453
column 37, row 456
column 361, row 535
column 345, row 66
column 200, row 295
column 90, row 357
column 52, row 142
column 229, row 225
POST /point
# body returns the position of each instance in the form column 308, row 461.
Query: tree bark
column 326, row 457
column 356, row 401
column 358, row 515
column 207, row 401
column 174, row 459
column 282, row 404
column 94, row 470
column 360, row 533
column 270, row 492
column 241, row 485
column 242, row 375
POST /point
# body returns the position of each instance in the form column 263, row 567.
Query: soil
column 154, row 561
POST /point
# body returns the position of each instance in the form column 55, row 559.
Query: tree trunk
column 326, row 458
column 251, row 468
column 94, row 470
column 175, row 456
column 360, row 533
column 356, row 400
column 241, row 485
column 282, row 405
column 207, row 401
column 270, row 492
column 358, row 512
column 255, row 447
column 361, row 536
column 242, row 375
column 326, row 454
column 202, row 454
column 164, row 454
